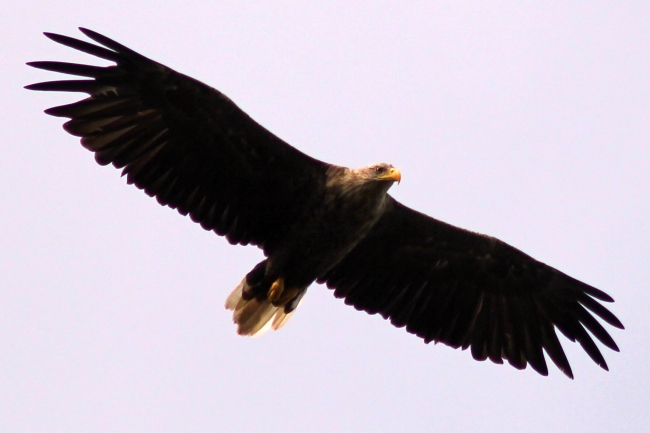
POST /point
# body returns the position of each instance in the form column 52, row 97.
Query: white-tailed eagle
column 192, row 148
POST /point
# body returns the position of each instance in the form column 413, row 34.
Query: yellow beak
column 394, row 175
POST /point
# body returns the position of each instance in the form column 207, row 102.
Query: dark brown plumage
column 194, row 150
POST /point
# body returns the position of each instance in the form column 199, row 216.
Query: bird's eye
column 379, row 170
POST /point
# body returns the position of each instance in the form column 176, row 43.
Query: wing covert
column 464, row 289
column 185, row 143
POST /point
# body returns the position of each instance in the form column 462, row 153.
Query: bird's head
column 382, row 173
column 375, row 179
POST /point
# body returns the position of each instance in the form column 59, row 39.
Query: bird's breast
column 325, row 236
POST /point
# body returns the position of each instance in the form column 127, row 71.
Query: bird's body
column 192, row 148
column 330, row 226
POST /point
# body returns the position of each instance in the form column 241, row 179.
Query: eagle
column 194, row 150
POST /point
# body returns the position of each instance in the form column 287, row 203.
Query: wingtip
column 39, row 64
column 617, row 324
column 52, row 36
column 87, row 31
column 568, row 373
column 541, row 369
column 603, row 364
column 565, row 368
column 597, row 293
column 61, row 39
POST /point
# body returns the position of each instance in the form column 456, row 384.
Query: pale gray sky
column 527, row 122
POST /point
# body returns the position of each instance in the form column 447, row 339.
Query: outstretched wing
column 464, row 289
column 185, row 143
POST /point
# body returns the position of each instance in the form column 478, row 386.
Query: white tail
column 255, row 317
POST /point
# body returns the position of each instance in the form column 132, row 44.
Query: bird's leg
column 276, row 290
column 279, row 294
column 287, row 295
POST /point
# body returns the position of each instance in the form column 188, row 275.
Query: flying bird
column 192, row 148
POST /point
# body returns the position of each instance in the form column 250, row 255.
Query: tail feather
column 254, row 317
column 281, row 319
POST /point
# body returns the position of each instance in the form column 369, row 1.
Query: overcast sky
column 530, row 123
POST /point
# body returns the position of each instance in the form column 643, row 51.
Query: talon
column 287, row 295
column 276, row 290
